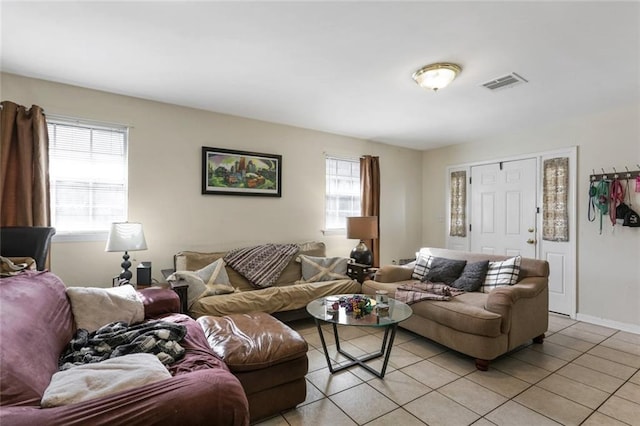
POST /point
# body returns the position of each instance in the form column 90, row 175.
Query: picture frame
column 233, row 172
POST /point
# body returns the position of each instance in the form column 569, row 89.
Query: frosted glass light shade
column 436, row 76
column 126, row 236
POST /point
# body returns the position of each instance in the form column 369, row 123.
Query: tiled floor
column 581, row 374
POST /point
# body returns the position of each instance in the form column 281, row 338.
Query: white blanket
column 90, row 381
column 94, row 307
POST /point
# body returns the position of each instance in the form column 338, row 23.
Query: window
column 342, row 197
column 88, row 176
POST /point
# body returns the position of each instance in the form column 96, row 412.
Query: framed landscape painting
column 231, row 172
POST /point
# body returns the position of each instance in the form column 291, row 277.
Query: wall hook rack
column 630, row 174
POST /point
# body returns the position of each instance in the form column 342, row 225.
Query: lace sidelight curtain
column 24, row 150
column 458, row 206
column 555, row 215
column 370, row 196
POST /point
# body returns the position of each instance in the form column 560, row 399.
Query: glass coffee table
column 387, row 317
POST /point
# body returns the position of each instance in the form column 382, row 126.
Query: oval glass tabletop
column 323, row 309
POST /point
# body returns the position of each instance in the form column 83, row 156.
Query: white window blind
column 88, row 175
column 342, row 198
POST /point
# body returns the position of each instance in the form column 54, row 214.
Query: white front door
column 503, row 208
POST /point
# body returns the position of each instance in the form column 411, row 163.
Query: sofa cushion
column 293, row 271
column 472, row 276
column 210, row 280
column 315, row 269
column 502, row 273
column 421, row 267
column 94, row 307
column 89, row 381
column 443, row 270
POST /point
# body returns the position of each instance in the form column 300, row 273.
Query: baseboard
column 631, row 328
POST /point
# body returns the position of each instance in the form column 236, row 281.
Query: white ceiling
column 341, row 67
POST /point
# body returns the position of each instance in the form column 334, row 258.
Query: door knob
column 531, row 241
column 531, row 230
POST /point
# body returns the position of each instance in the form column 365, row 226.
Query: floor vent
column 509, row 80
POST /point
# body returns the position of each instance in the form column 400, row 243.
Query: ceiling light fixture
column 436, row 76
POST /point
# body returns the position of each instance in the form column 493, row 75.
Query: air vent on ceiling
column 509, row 80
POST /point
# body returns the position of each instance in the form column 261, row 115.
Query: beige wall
column 164, row 182
column 608, row 264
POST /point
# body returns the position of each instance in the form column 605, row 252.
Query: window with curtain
column 555, row 213
column 88, row 176
column 342, row 192
column 458, row 206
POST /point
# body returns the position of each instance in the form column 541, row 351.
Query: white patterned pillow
column 501, row 274
column 422, row 266
column 208, row 281
column 315, row 269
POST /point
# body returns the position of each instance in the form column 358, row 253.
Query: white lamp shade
column 126, row 236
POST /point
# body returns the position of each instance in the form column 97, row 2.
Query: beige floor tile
column 512, row 412
column 570, row 342
column 499, row 382
column 605, row 366
column 317, row 413
column 553, row 406
column 316, row 359
column 455, row 362
column 435, row 409
column 273, row 421
column 555, row 350
column 483, row 422
column 593, row 328
column 367, row 343
column 345, row 346
column 401, row 357
column 622, row 345
column 582, row 335
column 423, row 348
column 430, row 374
column 635, row 378
column 520, row 369
column 363, row 403
column 399, row 387
column 332, row 383
column 348, row 333
column 375, row 364
column 629, row 391
column 599, row 419
column 558, row 322
column 313, row 394
column 399, row 417
column 402, row 336
column 575, row 391
column 625, row 336
column 539, row 359
column 591, row 377
column 621, row 409
column 616, row 356
column 472, row 396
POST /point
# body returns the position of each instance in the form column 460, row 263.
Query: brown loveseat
column 286, row 299
column 36, row 323
column 481, row 325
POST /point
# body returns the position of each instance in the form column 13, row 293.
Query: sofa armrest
column 158, row 301
column 393, row 273
column 502, row 299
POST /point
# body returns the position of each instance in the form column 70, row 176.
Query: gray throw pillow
column 472, row 276
column 444, row 270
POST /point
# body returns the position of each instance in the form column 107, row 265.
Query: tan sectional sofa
column 481, row 325
column 287, row 299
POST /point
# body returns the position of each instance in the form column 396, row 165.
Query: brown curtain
column 24, row 153
column 370, row 196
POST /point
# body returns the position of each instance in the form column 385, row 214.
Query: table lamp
column 362, row 228
column 126, row 237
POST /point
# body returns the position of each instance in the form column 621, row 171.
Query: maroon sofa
column 36, row 322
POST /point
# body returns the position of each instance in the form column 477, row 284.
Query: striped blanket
column 263, row 264
column 416, row 291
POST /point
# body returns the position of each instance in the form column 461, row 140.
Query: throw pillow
column 501, row 274
column 208, row 281
column 443, row 270
column 315, row 269
column 94, row 307
column 103, row 378
column 421, row 268
column 472, row 276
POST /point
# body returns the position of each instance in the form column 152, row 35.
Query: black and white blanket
column 118, row 338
